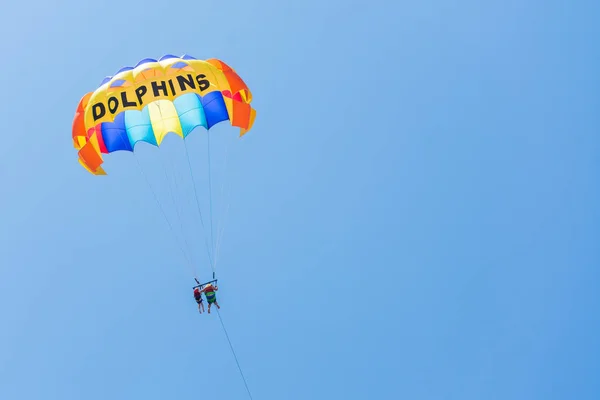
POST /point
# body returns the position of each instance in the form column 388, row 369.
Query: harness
column 210, row 296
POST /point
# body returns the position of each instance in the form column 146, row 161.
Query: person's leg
column 217, row 304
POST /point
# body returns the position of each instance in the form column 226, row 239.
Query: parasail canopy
column 156, row 97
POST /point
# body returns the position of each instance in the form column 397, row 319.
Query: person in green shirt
column 209, row 291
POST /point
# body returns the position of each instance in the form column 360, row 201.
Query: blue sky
column 414, row 214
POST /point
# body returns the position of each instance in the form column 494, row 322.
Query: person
column 198, row 297
column 209, row 291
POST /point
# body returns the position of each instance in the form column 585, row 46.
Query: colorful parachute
column 156, row 97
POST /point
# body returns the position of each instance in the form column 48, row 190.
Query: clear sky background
column 413, row 216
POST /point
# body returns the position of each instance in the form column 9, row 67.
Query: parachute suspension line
column 234, row 355
column 161, row 208
column 187, row 154
column 164, row 214
column 220, row 238
column 180, row 188
column 212, row 240
column 173, row 194
column 227, row 196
